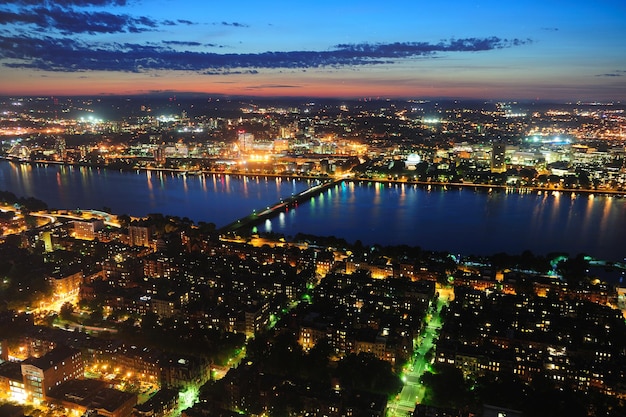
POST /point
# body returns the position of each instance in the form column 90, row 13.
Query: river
column 211, row 198
column 461, row 220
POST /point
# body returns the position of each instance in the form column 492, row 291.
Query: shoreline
column 490, row 187
column 439, row 185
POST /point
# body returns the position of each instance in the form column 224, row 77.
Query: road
column 413, row 391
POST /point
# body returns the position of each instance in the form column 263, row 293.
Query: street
column 413, row 392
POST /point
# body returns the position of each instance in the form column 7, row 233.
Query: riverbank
column 176, row 171
column 488, row 187
column 460, row 218
column 347, row 177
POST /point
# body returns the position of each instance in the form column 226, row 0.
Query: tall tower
column 498, row 163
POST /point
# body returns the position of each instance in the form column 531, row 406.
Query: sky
column 539, row 50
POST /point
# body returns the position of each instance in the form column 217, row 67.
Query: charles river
column 461, row 221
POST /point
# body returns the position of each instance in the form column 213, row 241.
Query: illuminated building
column 498, row 163
column 139, row 235
column 46, row 238
column 12, row 382
column 255, row 317
column 179, row 371
column 412, row 160
column 87, row 229
column 61, row 148
column 44, row 373
column 4, row 350
column 162, row 404
column 66, row 285
column 158, row 266
column 324, row 262
column 310, row 335
column 246, row 140
column 79, row 396
column 376, row 271
column 281, row 145
column 369, row 341
column 159, row 155
column 164, row 308
column 120, row 272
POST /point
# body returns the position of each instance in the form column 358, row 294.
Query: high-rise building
column 140, row 235
column 66, row 284
column 46, row 238
column 87, row 229
column 498, row 163
column 159, row 155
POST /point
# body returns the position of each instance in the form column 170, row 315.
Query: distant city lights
column 548, row 140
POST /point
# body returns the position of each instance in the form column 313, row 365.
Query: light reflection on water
column 461, row 221
column 465, row 221
column 213, row 198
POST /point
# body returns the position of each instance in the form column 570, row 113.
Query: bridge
column 283, row 205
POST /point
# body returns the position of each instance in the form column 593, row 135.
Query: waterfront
column 463, row 220
column 211, row 198
column 458, row 220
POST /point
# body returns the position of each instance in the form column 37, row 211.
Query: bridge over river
column 283, row 205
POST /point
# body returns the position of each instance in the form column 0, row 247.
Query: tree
column 368, row 373
column 445, row 387
column 149, row 322
column 67, row 309
column 315, row 363
column 574, row 270
column 96, row 316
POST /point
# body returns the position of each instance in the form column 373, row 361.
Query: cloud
column 68, row 3
column 251, row 87
column 69, row 21
column 69, row 54
column 177, row 22
column 182, row 43
column 411, row 49
column 228, row 72
column 234, row 24
column 9, row 17
column 616, row 73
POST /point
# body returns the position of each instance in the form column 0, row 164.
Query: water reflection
column 464, row 222
column 203, row 183
column 606, row 215
column 220, row 199
column 281, row 220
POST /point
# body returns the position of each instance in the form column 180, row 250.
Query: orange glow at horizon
column 269, row 84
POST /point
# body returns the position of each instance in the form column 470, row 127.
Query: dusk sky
column 547, row 50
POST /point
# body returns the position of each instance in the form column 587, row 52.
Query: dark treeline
column 28, row 203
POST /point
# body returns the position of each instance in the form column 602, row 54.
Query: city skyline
column 527, row 50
